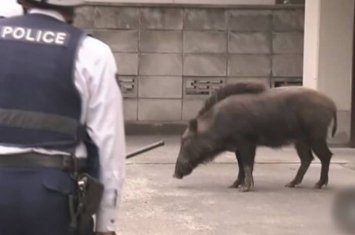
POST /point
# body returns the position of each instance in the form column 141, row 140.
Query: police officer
column 60, row 111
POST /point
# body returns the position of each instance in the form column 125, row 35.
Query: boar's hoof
column 237, row 183
column 248, row 184
column 248, row 180
column 292, row 184
column 244, row 188
column 321, row 183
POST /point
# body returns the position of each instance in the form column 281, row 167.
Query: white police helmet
column 10, row 8
column 60, row 3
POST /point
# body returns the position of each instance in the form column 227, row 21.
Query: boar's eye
column 184, row 140
column 187, row 140
column 193, row 125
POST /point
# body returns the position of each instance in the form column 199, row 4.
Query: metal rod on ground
column 145, row 149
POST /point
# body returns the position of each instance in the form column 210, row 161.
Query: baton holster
column 84, row 203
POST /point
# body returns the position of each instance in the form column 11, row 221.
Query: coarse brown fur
column 242, row 121
column 231, row 89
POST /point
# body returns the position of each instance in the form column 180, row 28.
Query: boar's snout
column 182, row 169
column 178, row 176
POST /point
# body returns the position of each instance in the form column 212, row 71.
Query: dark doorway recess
column 352, row 124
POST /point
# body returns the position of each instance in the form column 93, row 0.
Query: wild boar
column 242, row 116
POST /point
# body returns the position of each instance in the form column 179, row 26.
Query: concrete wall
column 329, row 55
column 215, row 2
column 170, row 59
column 209, row 2
column 311, row 44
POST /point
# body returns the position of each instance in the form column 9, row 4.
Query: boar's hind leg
column 241, row 175
column 305, row 154
column 247, row 152
column 322, row 151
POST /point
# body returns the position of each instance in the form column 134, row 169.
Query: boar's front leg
column 241, row 175
column 247, row 153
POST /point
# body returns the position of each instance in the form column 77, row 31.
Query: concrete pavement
column 155, row 203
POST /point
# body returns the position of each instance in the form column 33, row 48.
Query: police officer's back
column 58, row 99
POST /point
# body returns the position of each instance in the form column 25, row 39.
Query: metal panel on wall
column 280, row 82
column 201, row 87
column 128, row 85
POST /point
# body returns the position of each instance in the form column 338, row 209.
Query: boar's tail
column 335, row 122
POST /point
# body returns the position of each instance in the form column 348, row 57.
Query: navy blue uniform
column 39, row 108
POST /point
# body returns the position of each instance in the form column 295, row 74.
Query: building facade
column 172, row 54
column 328, row 58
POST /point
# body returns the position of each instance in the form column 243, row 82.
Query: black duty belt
column 33, row 160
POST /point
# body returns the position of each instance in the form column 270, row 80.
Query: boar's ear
column 193, row 125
